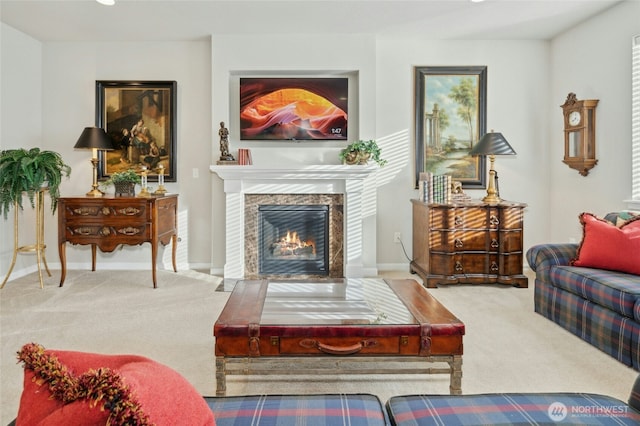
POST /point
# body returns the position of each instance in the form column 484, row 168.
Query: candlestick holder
column 161, row 189
column 144, row 190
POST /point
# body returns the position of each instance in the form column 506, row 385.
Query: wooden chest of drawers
column 107, row 222
column 471, row 243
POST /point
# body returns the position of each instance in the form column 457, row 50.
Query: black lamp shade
column 492, row 144
column 94, row 137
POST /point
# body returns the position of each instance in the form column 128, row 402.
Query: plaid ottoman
column 308, row 410
column 511, row 409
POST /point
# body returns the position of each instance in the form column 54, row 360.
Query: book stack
column 244, row 157
column 434, row 188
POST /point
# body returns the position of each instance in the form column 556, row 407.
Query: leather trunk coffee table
column 345, row 326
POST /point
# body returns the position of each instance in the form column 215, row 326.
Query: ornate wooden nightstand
column 106, row 222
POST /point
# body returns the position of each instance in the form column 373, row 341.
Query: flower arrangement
column 129, row 176
column 124, row 182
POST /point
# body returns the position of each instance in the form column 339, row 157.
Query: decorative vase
column 357, row 157
column 363, row 157
column 351, row 158
column 125, row 189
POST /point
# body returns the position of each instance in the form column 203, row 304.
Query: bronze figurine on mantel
column 225, row 155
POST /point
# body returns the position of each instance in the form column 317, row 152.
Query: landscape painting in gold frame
column 450, row 117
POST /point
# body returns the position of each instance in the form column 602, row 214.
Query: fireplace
column 293, row 240
column 348, row 190
column 294, row 235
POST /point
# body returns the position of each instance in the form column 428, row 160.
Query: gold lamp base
column 95, row 192
column 492, row 194
column 492, row 199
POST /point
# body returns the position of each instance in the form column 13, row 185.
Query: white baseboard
column 368, row 272
column 392, row 267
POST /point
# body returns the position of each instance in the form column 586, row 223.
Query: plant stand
column 38, row 247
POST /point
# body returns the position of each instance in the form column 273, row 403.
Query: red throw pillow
column 66, row 387
column 605, row 246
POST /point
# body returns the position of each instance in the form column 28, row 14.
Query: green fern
column 29, row 171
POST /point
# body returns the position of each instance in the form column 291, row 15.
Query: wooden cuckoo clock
column 580, row 133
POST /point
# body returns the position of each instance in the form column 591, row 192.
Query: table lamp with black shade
column 492, row 144
column 96, row 139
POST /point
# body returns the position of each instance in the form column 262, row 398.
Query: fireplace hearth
column 293, row 239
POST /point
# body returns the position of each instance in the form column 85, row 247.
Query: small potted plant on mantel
column 124, row 182
column 28, row 171
column 361, row 151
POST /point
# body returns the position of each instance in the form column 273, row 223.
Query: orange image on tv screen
column 291, row 114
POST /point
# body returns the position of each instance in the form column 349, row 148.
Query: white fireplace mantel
column 304, row 179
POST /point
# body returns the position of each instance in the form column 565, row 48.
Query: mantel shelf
column 324, row 171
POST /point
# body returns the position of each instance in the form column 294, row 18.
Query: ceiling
column 177, row 20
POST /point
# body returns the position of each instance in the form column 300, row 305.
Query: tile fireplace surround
column 239, row 181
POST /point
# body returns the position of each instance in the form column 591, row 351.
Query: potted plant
column 361, row 151
column 124, row 182
column 29, row 171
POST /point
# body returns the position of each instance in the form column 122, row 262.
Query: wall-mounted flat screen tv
column 300, row 108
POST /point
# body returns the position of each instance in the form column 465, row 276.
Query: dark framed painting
column 140, row 117
column 451, row 117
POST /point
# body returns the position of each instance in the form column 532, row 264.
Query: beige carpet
column 507, row 346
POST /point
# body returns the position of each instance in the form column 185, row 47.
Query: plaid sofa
column 601, row 307
column 308, row 410
column 413, row 410
column 515, row 409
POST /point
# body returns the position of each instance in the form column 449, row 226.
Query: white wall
column 65, row 104
column 517, row 100
column 527, row 83
column 233, row 56
column 593, row 60
column 386, row 113
column 20, row 126
column 70, row 71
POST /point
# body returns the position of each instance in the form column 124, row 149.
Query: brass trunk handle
column 340, row 350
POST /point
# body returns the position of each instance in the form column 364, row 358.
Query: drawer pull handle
column 129, row 230
column 493, row 220
column 82, row 231
column 457, row 221
column 129, row 211
column 85, row 211
column 495, row 243
column 494, row 266
column 458, row 243
column 458, row 266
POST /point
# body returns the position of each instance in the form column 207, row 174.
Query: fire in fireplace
column 290, row 246
column 293, row 239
